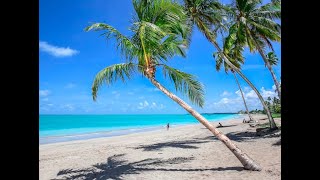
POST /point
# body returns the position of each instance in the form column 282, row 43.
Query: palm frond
column 150, row 33
column 127, row 48
column 141, row 7
column 270, row 10
column 266, row 41
column 170, row 47
column 111, row 74
column 219, row 60
column 250, row 41
column 204, row 28
column 234, row 58
column 186, row 83
column 267, row 23
column 265, row 31
column 231, row 38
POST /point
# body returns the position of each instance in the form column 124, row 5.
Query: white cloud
column 44, row 93
column 156, row 106
column 225, row 101
column 226, row 93
column 153, row 89
column 265, row 93
column 116, row 94
column 250, row 94
column 70, row 85
column 246, row 88
column 68, row 107
column 162, row 106
column 46, row 107
column 143, row 105
column 45, row 99
column 130, row 93
column 238, row 93
column 236, row 104
column 55, row 50
column 153, row 105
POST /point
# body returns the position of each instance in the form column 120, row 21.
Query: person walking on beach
column 168, row 126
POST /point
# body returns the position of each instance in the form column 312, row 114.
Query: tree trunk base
column 273, row 129
column 253, row 168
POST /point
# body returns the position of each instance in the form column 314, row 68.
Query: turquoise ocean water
column 59, row 128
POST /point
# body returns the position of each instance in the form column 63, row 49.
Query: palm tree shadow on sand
column 116, row 167
column 244, row 137
column 187, row 144
column 249, row 136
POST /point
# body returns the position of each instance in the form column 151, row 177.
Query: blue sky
column 69, row 59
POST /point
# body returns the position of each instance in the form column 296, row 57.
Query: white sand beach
column 184, row 152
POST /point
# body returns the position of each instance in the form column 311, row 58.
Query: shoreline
column 187, row 152
column 119, row 132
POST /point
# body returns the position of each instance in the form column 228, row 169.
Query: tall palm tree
column 255, row 25
column 159, row 28
column 219, row 62
column 208, row 16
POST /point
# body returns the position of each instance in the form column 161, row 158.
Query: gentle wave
column 60, row 128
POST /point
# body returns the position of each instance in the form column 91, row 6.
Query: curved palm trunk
column 270, row 69
column 271, row 120
column 246, row 161
column 206, row 32
column 244, row 101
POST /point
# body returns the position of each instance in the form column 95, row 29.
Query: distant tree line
column 273, row 104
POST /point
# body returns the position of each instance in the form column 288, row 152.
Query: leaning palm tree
column 255, row 25
column 159, row 32
column 219, row 63
column 208, row 16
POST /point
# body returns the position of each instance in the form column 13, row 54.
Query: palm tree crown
column 252, row 24
column 159, row 32
column 272, row 58
column 207, row 15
